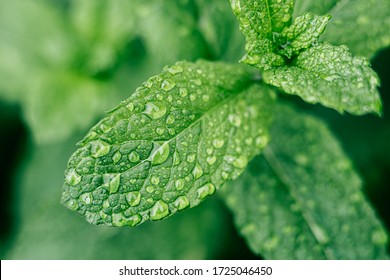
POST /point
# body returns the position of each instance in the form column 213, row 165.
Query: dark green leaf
column 173, row 143
column 303, row 199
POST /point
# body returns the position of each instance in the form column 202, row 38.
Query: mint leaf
column 261, row 22
column 103, row 28
column 49, row 232
column 303, row 199
column 302, row 33
column 170, row 32
column 362, row 25
column 173, row 143
column 220, row 29
column 331, row 76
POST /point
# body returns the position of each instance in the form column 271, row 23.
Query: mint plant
column 197, row 126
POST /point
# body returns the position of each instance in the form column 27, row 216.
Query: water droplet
column 301, row 159
column 133, row 181
column 236, row 6
column 114, row 184
column 171, row 131
column 261, row 141
column 118, row 220
column 206, row 190
column 133, row 198
column 176, row 157
column 191, row 158
column 134, row 157
column 159, row 210
column 240, row 162
column 225, row 175
column 130, row 106
column 105, row 128
column 168, row 85
column 159, row 96
column 170, row 119
column 211, row 160
column 205, row 97
column 197, row 82
column 149, row 189
column 99, row 148
column 249, row 141
column 155, row 180
column 116, row 157
column 197, row 171
column 155, row 109
column 174, row 69
column 192, row 97
column 218, row 143
column 72, row 204
column 184, row 143
column 181, row 202
column 161, row 154
column 72, row 177
column 160, row 131
column 209, row 151
column 86, row 198
column 183, row 92
column 179, row 184
column 234, row 120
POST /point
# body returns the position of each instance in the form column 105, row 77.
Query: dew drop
column 184, row 143
column 155, row 109
column 234, row 120
column 211, row 160
column 155, row 180
column 170, row 119
column 240, row 162
column 149, row 189
column 72, row 204
column 134, row 157
column 209, row 151
column 116, row 157
column 133, row 198
column 160, row 131
column 205, row 97
column 174, row 69
column 205, row 190
column 114, row 184
column 225, row 175
column 161, row 154
column 159, row 210
column 99, row 148
column 105, row 128
column 118, row 220
column 130, row 106
column 261, row 141
column 167, row 85
column 191, row 158
column 86, row 198
column 197, row 171
column 181, row 202
column 192, row 97
column 183, row 92
column 72, row 177
column 218, row 143
column 176, row 157
column 179, row 184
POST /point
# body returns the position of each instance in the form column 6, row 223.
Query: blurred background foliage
column 63, row 63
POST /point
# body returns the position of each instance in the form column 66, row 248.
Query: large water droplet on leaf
column 159, row 210
column 155, row 109
column 161, row 155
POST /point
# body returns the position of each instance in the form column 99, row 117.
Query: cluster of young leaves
column 189, row 130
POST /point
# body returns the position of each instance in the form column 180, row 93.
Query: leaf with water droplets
column 162, row 151
column 362, row 25
column 303, row 199
column 330, row 76
column 261, row 22
column 302, row 34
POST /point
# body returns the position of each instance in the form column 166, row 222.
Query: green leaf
column 362, row 25
column 302, row 199
column 104, row 28
column 260, row 21
column 220, row 29
column 173, row 143
column 331, row 76
column 47, row 231
column 170, row 31
column 304, row 32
